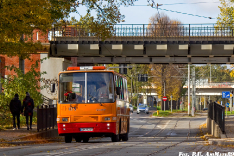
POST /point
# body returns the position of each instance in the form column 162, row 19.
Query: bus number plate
column 86, row 129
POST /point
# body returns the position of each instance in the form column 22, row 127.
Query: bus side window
column 127, row 90
column 119, row 85
column 122, row 88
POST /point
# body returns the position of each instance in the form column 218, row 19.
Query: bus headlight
column 58, row 119
column 64, row 119
column 107, row 118
column 113, row 118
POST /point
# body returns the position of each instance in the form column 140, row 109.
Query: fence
column 46, row 117
column 148, row 30
column 216, row 112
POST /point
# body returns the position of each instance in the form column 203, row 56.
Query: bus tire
column 115, row 138
column 78, row 139
column 68, row 139
column 86, row 140
column 125, row 137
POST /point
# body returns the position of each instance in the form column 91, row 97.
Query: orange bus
column 92, row 102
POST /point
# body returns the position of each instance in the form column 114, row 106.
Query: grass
column 167, row 113
column 162, row 113
column 229, row 113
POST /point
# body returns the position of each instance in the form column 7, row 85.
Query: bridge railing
column 213, row 85
column 216, row 112
column 147, row 30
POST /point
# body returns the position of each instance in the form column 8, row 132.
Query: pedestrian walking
column 15, row 108
column 28, row 106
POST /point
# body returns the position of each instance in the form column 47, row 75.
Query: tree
column 219, row 73
column 19, row 18
column 226, row 15
column 162, row 25
column 172, row 77
column 20, row 83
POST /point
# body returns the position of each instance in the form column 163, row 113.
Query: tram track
column 103, row 145
column 124, row 147
column 109, row 151
column 167, row 131
column 82, row 146
column 173, row 145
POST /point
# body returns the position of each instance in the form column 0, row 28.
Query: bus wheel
column 115, row 138
column 125, row 137
column 85, row 140
column 78, row 139
column 68, row 139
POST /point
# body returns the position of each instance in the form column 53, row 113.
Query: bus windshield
column 90, row 87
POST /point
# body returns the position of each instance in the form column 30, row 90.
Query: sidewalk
column 226, row 139
column 24, row 136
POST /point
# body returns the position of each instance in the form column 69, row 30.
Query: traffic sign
column 164, row 98
column 227, row 104
column 226, row 94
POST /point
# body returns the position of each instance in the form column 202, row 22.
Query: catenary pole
column 188, row 89
column 164, row 95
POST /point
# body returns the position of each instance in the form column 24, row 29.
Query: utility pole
column 131, row 87
column 230, row 105
column 188, row 89
column 193, row 92
column 164, row 95
column 137, row 97
column 200, row 103
column 204, row 101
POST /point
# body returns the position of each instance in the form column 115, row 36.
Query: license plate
column 86, row 129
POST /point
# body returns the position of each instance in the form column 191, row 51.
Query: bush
column 20, row 83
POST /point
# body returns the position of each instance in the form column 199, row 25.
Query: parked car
column 131, row 108
column 205, row 109
column 142, row 108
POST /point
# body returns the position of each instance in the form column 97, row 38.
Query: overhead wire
column 190, row 3
column 156, row 6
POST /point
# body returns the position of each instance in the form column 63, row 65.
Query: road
column 148, row 136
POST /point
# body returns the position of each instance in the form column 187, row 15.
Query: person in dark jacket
column 15, row 108
column 28, row 106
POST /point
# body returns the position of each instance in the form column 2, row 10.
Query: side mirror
column 118, row 90
column 52, row 87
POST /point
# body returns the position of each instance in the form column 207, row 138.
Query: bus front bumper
column 66, row 128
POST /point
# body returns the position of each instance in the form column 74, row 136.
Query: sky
column 141, row 13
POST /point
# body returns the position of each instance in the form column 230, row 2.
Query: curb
column 44, row 134
column 222, row 142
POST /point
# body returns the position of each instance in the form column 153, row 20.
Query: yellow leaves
column 169, row 75
column 226, row 13
column 22, row 17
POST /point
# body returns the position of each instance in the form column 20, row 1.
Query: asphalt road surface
column 148, row 136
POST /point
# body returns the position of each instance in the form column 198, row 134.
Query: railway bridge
column 146, row 44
